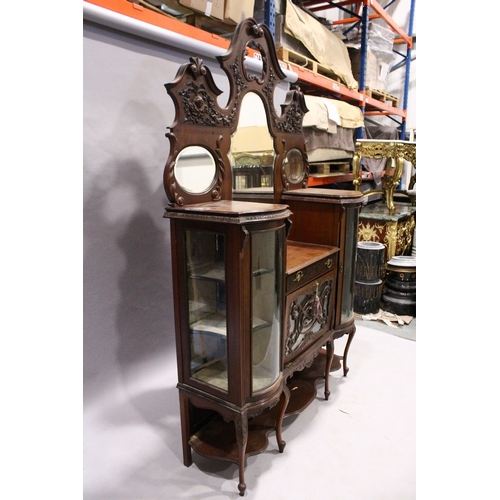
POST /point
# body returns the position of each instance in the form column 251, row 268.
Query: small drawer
column 300, row 276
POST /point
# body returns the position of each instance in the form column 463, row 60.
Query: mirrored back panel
column 252, row 146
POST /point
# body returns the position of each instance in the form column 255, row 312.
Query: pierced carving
column 294, row 114
column 216, row 192
column 198, row 112
column 308, row 315
column 199, row 106
column 377, row 150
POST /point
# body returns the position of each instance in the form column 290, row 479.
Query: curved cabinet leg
column 346, row 350
column 241, row 424
column 329, row 358
column 285, row 397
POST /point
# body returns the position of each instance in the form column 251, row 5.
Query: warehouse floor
column 406, row 331
column 358, row 445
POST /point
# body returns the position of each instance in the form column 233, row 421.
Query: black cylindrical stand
column 370, row 263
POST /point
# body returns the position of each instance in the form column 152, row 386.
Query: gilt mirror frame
column 201, row 121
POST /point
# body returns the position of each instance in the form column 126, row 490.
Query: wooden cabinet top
column 232, row 211
column 324, row 194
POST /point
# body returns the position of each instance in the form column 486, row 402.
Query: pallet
column 380, row 95
column 287, row 55
column 212, row 25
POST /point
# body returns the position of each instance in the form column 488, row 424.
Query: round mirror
column 294, row 166
column 194, row 169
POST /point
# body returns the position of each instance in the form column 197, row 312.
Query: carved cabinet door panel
column 309, row 314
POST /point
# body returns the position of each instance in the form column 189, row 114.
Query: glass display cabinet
column 330, row 217
column 229, row 277
column 262, row 266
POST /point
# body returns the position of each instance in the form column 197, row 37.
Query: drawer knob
column 299, row 276
column 329, row 263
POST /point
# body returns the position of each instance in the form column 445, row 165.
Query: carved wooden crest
column 201, row 122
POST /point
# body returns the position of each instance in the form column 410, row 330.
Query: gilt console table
column 396, row 152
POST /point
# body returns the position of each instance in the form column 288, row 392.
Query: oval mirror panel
column 294, row 166
column 195, row 169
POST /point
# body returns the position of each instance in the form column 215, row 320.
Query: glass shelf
column 207, row 307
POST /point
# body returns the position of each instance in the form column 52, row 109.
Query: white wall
column 127, row 294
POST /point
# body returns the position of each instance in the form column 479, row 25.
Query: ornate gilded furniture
column 256, row 310
column 396, row 152
column 394, row 231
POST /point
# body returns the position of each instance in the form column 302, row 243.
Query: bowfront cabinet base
column 231, row 435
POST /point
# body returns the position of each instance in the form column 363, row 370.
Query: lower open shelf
column 217, row 439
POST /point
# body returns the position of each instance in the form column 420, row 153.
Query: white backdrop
column 127, row 292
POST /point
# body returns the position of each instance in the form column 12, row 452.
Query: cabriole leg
column 241, row 423
column 346, row 350
column 285, row 397
column 329, row 358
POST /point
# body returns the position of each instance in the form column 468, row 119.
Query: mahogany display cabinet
column 229, row 277
column 263, row 271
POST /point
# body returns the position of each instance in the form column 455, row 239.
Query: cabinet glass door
column 206, row 285
column 351, row 242
column 267, row 269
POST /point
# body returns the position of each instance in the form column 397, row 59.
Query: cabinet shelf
column 210, row 272
column 216, row 323
column 216, row 272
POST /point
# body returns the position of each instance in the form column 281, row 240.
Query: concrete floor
column 408, row 331
column 359, row 445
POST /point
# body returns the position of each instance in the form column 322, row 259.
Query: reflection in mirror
column 294, row 166
column 252, row 152
column 194, row 169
